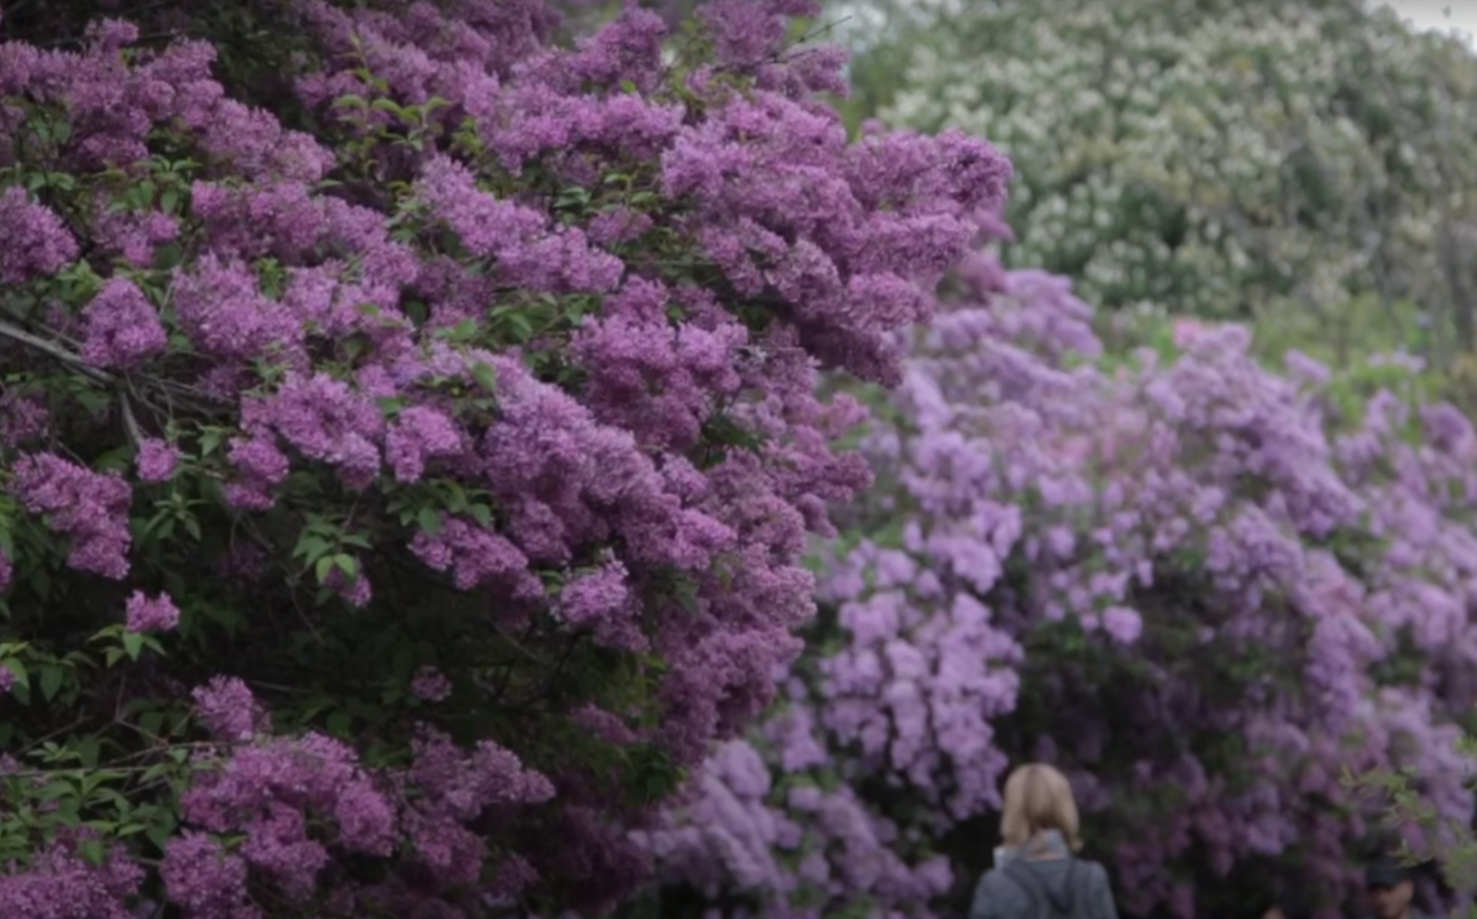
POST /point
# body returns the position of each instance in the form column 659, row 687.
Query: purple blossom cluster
column 488, row 374
column 1185, row 579
column 63, row 885
column 772, row 825
column 123, row 327
column 90, row 509
column 36, row 240
column 157, row 614
column 300, row 802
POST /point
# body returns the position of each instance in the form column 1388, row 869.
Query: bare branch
column 71, row 358
column 129, row 421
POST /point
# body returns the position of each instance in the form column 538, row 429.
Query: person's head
column 1390, row 888
column 1038, row 798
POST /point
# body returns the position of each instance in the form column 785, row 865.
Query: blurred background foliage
column 1303, row 167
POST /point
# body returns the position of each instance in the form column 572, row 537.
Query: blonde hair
column 1038, row 798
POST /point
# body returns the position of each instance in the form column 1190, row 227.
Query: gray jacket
column 1086, row 896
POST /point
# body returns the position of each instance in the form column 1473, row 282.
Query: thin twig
column 57, row 733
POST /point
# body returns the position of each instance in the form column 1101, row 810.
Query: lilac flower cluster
column 123, row 327
column 1187, row 581
column 62, row 884
column 488, row 371
column 803, row 847
column 302, row 801
column 36, row 240
column 89, row 508
column 145, row 614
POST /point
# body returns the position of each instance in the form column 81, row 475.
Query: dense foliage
column 402, row 485
column 1250, row 160
column 1443, row 845
column 1202, row 587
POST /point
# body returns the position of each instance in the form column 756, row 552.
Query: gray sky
column 1430, row 14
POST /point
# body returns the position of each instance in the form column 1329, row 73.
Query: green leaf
column 57, row 789
column 210, row 439
column 339, row 723
column 311, row 546
column 465, row 330
column 429, row 520
column 133, row 645
column 522, row 326
column 87, row 752
column 391, row 407
column 323, row 567
column 389, row 105
column 51, row 682
column 456, row 497
column 416, row 311
column 486, row 377
column 151, row 722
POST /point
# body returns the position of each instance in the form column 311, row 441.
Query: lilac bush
column 1196, row 584
column 405, row 477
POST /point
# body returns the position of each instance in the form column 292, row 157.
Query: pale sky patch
column 1433, row 14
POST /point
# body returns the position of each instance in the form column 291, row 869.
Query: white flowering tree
column 1239, row 159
